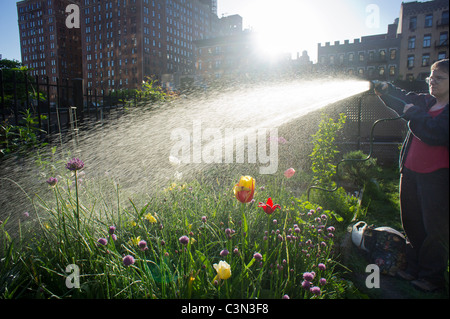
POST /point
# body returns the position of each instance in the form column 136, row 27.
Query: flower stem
column 78, row 205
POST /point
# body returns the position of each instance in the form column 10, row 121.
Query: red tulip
column 245, row 189
column 269, row 207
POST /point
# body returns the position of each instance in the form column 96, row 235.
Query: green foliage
column 325, row 150
column 66, row 225
column 20, row 138
column 14, row 70
column 358, row 168
column 149, row 92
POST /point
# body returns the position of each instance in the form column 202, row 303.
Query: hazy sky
column 297, row 25
column 288, row 25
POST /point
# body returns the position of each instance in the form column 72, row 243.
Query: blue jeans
column 424, row 201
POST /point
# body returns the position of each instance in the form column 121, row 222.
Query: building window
column 382, row 55
column 426, row 59
column 361, row 56
column 427, row 41
column 443, row 39
column 410, row 63
column 413, row 23
column 392, row 70
column 393, row 54
column 331, row 59
column 428, row 21
column 444, row 18
column 412, row 43
column 381, row 70
column 351, row 57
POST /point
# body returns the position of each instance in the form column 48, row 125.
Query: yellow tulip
column 223, row 270
column 245, row 189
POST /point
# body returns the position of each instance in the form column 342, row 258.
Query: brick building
column 418, row 38
column 371, row 57
column 424, row 30
column 47, row 45
column 125, row 41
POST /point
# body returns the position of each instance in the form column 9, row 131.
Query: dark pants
column 424, row 200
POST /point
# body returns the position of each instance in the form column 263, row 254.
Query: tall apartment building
column 125, row 41
column 48, row 47
column 424, row 28
column 371, row 57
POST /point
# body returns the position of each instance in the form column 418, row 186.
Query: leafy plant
column 23, row 137
column 360, row 169
column 325, row 150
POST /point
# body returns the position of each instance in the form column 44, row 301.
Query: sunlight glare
column 283, row 28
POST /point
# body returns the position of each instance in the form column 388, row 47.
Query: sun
column 284, row 28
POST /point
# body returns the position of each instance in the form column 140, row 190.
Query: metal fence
column 56, row 106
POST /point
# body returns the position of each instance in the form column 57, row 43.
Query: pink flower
column 257, row 256
column 75, row 164
column 128, row 260
column 184, row 240
column 315, row 290
column 52, row 181
column 102, row 241
column 289, row 172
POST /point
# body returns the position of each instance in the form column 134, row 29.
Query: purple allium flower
column 114, row 237
column 52, row 181
column 143, row 245
column 285, row 297
column 322, row 266
column 308, row 276
column 257, row 256
column 306, row 284
column 224, row 253
column 315, row 290
column 331, row 229
column 236, row 251
column 204, row 219
column 102, row 241
column 228, row 231
column 111, row 230
column 275, row 221
column 128, row 260
column 75, row 164
column 26, row 214
column 184, row 240
column 323, row 281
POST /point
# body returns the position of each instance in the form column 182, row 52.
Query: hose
column 374, row 84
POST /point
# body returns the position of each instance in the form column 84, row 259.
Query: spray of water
column 136, row 150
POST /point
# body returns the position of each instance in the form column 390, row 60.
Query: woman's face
column 438, row 83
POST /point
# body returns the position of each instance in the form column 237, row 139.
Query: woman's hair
column 441, row 65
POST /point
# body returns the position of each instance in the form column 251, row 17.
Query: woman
column 424, row 182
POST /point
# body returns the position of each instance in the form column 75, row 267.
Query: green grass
column 69, row 219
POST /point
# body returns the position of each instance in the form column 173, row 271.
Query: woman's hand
column 380, row 87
